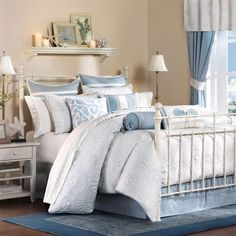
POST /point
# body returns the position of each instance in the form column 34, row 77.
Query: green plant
column 84, row 29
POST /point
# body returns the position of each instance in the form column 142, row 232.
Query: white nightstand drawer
column 15, row 153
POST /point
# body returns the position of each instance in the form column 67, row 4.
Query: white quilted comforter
column 96, row 156
column 75, row 175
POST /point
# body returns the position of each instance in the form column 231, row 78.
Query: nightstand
column 17, row 168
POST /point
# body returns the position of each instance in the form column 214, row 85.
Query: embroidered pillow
column 84, row 109
column 119, row 102
column 60, row 111
column 128, row 89
column 102, row 81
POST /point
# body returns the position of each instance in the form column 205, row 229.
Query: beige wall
column 123, row 22
column 166, row 34
column 136, row 28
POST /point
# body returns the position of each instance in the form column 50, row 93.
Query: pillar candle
column 92, row 44
column 38, row 40
column 46, row 43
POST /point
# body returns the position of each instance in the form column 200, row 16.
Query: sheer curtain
column 216, row 87
column 210, row 15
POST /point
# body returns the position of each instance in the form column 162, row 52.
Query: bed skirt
column 172, row 205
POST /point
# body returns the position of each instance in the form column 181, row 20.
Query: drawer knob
column 14, row 153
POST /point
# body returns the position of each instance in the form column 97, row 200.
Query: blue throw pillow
column 39, row 89
column 102, row 81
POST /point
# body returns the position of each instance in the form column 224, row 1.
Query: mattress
column 50, row 144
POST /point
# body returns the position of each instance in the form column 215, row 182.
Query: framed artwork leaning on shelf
column 66, row 34
column 84, row 26
column 4, row 132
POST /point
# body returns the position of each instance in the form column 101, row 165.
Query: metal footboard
column 202, row 133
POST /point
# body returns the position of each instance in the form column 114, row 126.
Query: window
column 232, row 72
column 221, row 83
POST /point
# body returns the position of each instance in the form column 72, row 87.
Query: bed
column 160, row 173
column 46, row 154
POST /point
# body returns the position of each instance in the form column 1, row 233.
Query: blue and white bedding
column 96, row 156
column 75, row 174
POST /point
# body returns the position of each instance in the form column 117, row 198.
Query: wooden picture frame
column 85, row 29
column 4, row 132
column 66, row 34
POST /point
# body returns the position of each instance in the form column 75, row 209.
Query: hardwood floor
column 19, row 207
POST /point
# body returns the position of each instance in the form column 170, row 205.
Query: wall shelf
column 103, row 53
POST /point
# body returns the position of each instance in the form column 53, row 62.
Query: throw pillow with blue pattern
column 84, row 109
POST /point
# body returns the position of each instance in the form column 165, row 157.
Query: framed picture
column 66, row 34
column 85, row 27
column 4, row 132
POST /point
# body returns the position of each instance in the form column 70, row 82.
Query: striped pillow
column 102, row 81
column 119, row 102
column 40, row 115
column 39, row 89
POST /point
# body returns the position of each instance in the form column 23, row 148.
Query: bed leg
column 158, row 119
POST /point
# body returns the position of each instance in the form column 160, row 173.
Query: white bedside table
column 13, row 158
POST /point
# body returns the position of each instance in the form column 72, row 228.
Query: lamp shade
column 6, row 67
column 157, row 63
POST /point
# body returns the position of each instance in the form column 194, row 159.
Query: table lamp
column 157, row 65
column 6, row 69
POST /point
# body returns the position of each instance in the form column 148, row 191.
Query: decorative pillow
column 128, row 89
column 84, row 109
column 102, row 81
column 40, row 115
column 39, row 89
column 185, row 110
column 144, row 99
column 60, row 111
column 119, row 102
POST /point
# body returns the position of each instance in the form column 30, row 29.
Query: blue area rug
column 100, row 223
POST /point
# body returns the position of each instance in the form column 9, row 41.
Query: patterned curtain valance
column 210, row 15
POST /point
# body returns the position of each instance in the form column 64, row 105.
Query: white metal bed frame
column 202, row 133
column 158, row 120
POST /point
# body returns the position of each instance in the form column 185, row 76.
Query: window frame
column 216, row 89
column 231, row 74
